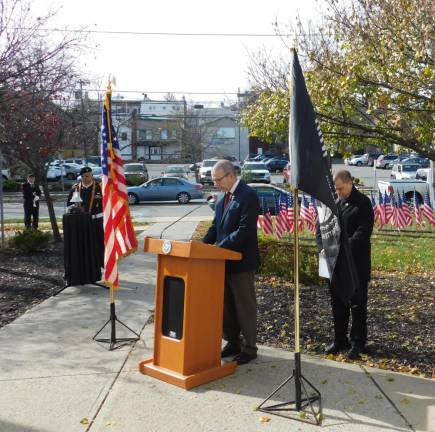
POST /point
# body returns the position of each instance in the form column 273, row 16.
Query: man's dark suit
column 235, row 227
column 357, row 220
column 31, row 207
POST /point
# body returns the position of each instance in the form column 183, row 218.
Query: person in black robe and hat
column 91, row 194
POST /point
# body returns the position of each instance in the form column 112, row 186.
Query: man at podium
column 235, row 227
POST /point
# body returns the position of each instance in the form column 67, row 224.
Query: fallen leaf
column 84, row 421
column 405, row 401
column 264, row 419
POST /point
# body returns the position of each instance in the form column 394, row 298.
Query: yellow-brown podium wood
column 195, row 358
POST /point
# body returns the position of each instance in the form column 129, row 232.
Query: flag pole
column 108, row 196
column 299, row 403
column 297, row 365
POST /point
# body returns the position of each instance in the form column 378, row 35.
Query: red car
column 286, row 173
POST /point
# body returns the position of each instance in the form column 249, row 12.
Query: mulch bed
column 401, row 320
column 28, row 279
column 401, row 310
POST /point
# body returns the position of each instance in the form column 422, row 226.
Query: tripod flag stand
column 113, row 341
column 119, row 236
column 302, row 398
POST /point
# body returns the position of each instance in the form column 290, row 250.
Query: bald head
column 343, row 183
column 224, row 175
column 225, row 166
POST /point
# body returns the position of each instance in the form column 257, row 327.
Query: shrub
column 277, row 259
column 29, row 240
column 11, row 186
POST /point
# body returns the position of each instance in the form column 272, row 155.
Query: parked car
column 175, row 171
column 71, row 170
column 5, row 174
column 266, row 192
column 276, row 164
column 423, row 162
column 135, row 173
column 54, row 172
column 385, row 161
column 358, row 160
column 422, row 174
column 404, row 170
column 255, row 172
column 262, row 157
column 372, row 157
column 286, row 174
column 407, row 186
column 165, row 189
column 205, row 171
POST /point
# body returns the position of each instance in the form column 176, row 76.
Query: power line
column 170, row 34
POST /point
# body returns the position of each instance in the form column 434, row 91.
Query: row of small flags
column 284, row 222
column 389, row 209
column 394, row 210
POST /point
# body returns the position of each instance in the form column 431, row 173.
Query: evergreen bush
column 11, row 186
column 29, row 240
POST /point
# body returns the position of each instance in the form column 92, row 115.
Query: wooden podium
column 188, row 312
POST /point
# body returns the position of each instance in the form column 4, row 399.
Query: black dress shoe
column 336, row 347
column 355, row 352
column 244, row 358
column 230, row 350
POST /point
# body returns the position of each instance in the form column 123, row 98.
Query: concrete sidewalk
column 53, row 377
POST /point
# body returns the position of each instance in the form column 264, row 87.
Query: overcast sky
column 148, row 63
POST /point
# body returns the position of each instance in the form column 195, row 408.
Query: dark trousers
column 31, row 216
column 240, row 311
column 341, row 313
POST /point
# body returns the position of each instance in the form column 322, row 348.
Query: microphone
column 180, row 218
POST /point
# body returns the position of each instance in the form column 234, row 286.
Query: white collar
column 234, row 186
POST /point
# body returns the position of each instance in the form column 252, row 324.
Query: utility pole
column 2, row 222
column 82, row 104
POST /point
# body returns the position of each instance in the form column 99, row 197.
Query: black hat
column 85, row 170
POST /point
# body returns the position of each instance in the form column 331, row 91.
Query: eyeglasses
column 218, row 180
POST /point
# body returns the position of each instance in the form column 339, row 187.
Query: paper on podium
column 323, row 267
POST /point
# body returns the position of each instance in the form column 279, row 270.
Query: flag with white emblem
column 311, row 173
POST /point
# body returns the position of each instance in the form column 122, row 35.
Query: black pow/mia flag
column 311, row 173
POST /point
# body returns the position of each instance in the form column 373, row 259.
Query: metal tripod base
column 115, row 342
column 66, row 286
column 296, row 406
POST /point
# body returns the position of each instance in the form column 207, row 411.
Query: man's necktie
column 227, row 198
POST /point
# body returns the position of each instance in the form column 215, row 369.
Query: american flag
column 406, row 211
column 427, row 209
column 417, row 210
column 281, row 225
column 267, row 224
column 375, row 207
column 290, row 213
column 399, row 216
column 306, row 214
column 313, row 210
column 388, row 208
column 119, row 236
column 381, row 211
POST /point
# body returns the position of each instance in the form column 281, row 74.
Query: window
column 164, row 134
column 145, row 134
column 174, row 133
column 226, row 132
column 155, row 183
column 124, row 136
column 170, row 182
